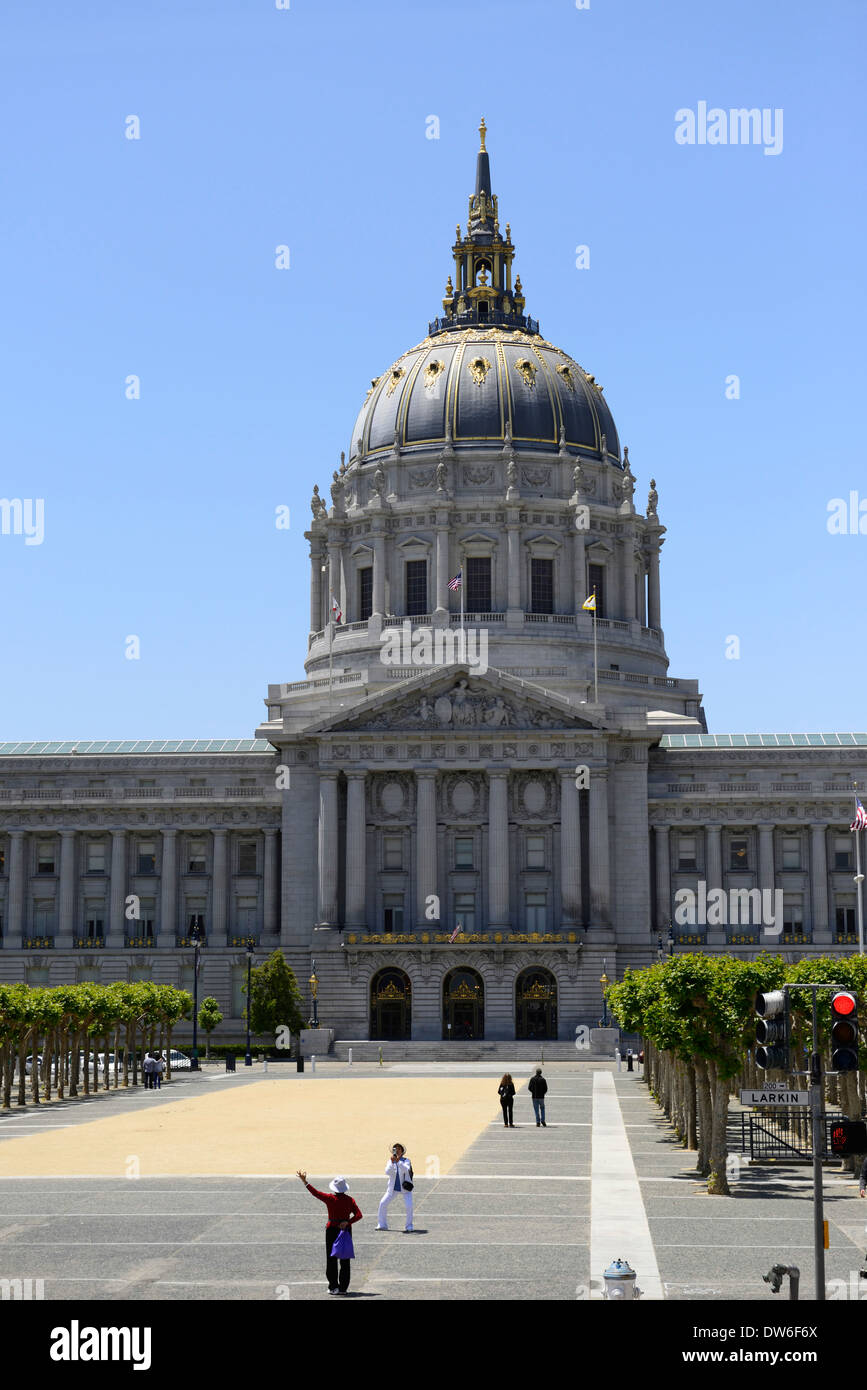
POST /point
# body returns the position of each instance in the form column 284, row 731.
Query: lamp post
column 670, row 939
column 659, row 956
column 196, row 934
column 604, row 982
column 248, row 1057
column 313, row 982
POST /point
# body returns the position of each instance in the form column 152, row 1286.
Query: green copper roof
column 155, row 745
column 764, row 741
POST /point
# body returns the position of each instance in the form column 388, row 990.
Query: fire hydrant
column 619, row 1280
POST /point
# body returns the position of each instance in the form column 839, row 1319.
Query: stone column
column 216, row 928
column 498, row 851
column 600, row 857
column 328, row 849
column 663, row 876
column 334, row 575
column 766, row 857
column 442, row 574
column 713, row 857
column 270, row 914
column 642, row 590
column 653, row 603
column 570, row 849
column 819, row 884
column 66, row 898
column 15, row 903
column 378, row 575
column 117, row 891
column 168, row 890
column 513, row 594
column 580, row 566
column 426, row 844
column 315, row 587
column 356, row 838
column 627, row 578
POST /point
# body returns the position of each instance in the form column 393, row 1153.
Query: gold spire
column 482, row 129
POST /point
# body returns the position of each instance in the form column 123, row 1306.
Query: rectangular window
column 365, row 593
column 465, row 911
column 842, row 852
column 464, row 857
column 195, row 915
column 147, row 781
column 247, row 860
column 147, row 857
column 738, row 856
column 45, row 857
column 43, row 917
column 416, row 586
column 536, row 908
column 93, row 924
column 477, row 578
column 247, row 913
column 844, row 916
column 198, row 781
column 197, row 860
column 535, row 851
column 541, row 586
column 144, row 927
column 686, row 852
column 392, row 913
column 2, row 859
column 392, row 852
column 596, row 581
column 791, row 852
column 96, row 856
column 793, row 914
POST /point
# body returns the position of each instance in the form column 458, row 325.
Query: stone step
column 363, row 1050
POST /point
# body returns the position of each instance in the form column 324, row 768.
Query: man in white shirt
column 398, row 1170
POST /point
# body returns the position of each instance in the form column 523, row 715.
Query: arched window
column 463, row 1005
column 535, row 1004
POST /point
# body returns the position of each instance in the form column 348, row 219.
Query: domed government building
column 482, row 798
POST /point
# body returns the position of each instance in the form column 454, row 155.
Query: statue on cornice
column 379, row 481
column 442, row 476
column 652, row 498
column 317, row 506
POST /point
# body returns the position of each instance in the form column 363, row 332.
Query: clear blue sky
column 306, row 127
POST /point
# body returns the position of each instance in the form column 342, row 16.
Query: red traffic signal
column 849, row 1137
column 844, row 1031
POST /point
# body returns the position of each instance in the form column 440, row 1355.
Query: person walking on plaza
column 398, row 1170
column 506, row 1092
column 147, row 1068
column 343, row 1212
column 538, row 1087
column 158, row 1067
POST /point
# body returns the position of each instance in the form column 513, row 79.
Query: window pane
column 365, row 593
column 247, row 857
column 541, row 586
column 392, row 852
column 596, row 581
column 738, row 852
column 96, row 857
column 535, row 851
column 535, row 904
column 478, row 580
column 416, row 586
column 463, row 854
column 465, row 911
column 393, row 912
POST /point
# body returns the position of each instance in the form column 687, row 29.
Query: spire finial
column 482, row 129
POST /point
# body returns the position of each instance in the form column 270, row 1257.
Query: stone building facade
column 483, row 797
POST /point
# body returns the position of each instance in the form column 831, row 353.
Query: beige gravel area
column 271, row 1127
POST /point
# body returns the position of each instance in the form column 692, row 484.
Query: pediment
column 454, row 700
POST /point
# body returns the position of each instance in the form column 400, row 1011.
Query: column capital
column 19, row 834
column 168, row 831
column 269, row 831
column 219, row 830
column 64, row 834
column 356, row 774
column 662, row 827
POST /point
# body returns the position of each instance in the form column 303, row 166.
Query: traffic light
column 844, row 1031
column 772, row 1030
column 848, row 1137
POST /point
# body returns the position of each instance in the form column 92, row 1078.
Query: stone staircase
column 365, row 1051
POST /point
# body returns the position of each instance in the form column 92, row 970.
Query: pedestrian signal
column 849, row 1137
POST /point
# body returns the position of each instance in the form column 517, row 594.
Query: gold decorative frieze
column 431, row 373
column 394, row 377
column 478, row 369
column 526, row 370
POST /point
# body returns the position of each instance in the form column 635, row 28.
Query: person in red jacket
column 343, row 1212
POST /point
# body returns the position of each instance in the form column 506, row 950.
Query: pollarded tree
column 210, row 1018
column 275, row 997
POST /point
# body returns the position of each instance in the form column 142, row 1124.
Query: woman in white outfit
column 398, row 1170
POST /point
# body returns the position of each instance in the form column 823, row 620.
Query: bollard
column 350, row 1056
column 299, row 1063
column 619, row 1282
column 380, row 1056
column 312, row 1063
column 230, row 1061
column 265, row 1067
column 629, row 1066
column 617, row 1057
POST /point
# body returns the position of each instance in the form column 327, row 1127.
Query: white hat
column 339, row 1185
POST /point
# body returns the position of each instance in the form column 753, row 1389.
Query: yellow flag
column 590, row 603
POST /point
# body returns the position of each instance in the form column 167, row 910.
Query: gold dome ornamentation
column 566, row 374
column 478, row 369
column 431, row 372
column 396, row 374
column 527, row 370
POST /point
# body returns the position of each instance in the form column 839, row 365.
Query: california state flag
column 335, row 610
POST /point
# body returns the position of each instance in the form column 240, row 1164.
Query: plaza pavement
column 523, row 1214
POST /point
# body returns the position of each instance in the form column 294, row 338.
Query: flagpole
column 330, row 642
column 595, row 656
column 859, row 878
column 463, row 633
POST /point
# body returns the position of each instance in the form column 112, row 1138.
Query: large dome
column 471, row 386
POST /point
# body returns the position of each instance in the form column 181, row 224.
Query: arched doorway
column 535, row 1005
column 390, row 1005
column 463, row 1005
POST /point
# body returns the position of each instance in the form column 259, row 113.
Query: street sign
column 776, row 1086
column 769, row 1097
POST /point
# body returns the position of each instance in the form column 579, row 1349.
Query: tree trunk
column 116, row 1053
column 705, row 1108
column 22, row 1074
column 717, row 1182
column 34, row 1070
column 691, row 1136
column 168, row 1052
column 7, row 1057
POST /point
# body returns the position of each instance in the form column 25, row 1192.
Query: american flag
column 860, row 821
column 455, row 933
column 457, row 581
column 335, row 610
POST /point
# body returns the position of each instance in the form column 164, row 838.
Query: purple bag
column 342, row 1249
